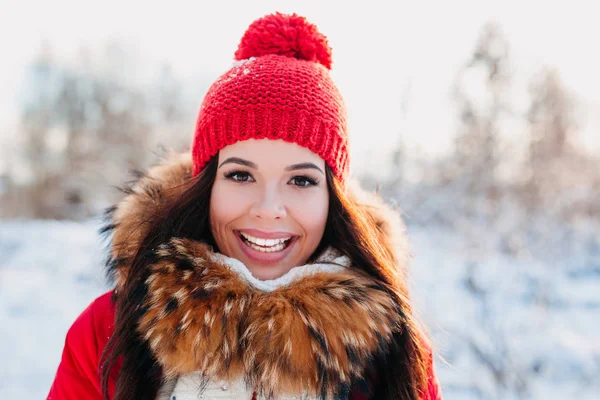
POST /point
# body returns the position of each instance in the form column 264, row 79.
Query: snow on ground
column 510, row 329
column 49, row 272
column 507, row 328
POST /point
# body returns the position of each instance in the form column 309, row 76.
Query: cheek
column 224, row 208
column 311, row 213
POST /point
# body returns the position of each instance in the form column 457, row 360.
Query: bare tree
column 481, row 92
column 554, row 163
column 82, row 130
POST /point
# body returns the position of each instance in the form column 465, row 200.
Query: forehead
column 267, row 152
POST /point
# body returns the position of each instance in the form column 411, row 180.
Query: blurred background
column 479, row 119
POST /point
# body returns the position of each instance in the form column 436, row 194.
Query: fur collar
column 318, row 332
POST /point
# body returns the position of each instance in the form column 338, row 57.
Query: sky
column 393, row 61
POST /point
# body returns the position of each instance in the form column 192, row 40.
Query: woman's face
column 269, row 205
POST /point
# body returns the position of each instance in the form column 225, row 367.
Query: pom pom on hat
column 285, row 35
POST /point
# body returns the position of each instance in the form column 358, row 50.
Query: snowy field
column 507, row 328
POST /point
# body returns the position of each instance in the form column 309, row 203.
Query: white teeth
column 265, row 242
column 278, row 247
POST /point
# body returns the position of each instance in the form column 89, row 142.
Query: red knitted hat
column 279, row 88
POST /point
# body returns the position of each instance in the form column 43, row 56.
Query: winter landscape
column 493, row 158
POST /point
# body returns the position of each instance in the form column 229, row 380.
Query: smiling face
column 269, row 205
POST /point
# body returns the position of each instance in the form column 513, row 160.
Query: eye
column 239, row 176
column 304, row 181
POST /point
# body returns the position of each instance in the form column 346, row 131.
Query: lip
column 265, row 258
column 266, row 235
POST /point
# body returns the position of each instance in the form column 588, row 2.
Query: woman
column 252, row 269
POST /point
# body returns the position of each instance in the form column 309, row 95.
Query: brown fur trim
column 318, row 333
column 387, row 220
column 128, row 220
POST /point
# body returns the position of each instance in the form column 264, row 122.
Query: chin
column 266, row 273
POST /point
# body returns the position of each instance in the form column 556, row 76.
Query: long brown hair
column 400, row 373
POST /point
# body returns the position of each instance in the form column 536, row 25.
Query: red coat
column 78, row 377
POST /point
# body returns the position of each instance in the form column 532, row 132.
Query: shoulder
column 95, row 324
column 78, row 375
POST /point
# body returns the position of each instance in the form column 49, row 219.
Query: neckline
column 331, row 260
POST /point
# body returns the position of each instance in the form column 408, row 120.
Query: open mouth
column 265, row 245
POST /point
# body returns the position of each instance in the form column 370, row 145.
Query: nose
column 269, row 205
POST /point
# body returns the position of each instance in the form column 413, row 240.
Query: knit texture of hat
column 279, row 88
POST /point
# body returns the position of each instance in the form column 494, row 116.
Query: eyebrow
column 241, row 161
column 250, row 164
column 306, row 165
